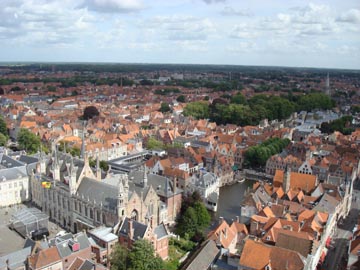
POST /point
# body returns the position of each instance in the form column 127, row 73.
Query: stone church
column 78, row 197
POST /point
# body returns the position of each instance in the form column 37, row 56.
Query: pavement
column 336, row 258
column 10, row 240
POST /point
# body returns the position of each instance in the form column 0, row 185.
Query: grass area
column 177, row 249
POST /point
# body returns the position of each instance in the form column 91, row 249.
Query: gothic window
column 97, row 215
column 91, row 213
column 134, row 215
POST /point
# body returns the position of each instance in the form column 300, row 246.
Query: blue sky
column 246, row 32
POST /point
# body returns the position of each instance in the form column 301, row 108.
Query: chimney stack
column 131, row 229
column 221, row 219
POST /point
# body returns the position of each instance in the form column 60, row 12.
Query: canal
column 230, row 198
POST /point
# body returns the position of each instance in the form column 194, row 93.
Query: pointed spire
column 145, row 180
column 98, row 169
column 83, row 145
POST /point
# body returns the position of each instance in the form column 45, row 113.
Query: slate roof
column 139, row 229
column 8, row 162
column 63, row 245
column 98, row 191
column 162, row 185
column 204, row 257
column 28, row 159
column 161, row 231
column 15, row 259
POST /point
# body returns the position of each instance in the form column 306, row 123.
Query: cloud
column 229, row 11
column 214, row 1
column 178, row 27
column 113, row 6
column 42, row 22
column 350, row 16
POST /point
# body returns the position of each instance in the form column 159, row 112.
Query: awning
column 323, row 255
column 328, row 242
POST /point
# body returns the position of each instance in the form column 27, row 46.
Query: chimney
column 131, row 229
column 221, row 219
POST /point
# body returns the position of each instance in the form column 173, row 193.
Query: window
column 15, row 185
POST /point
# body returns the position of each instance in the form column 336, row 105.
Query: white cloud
column 113, row 6
column 350, row 16
column 179, row 27
column 230, row 11
column 214, row 1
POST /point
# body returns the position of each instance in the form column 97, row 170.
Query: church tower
column 121, row 199
column 287, row 179
column 327, row 85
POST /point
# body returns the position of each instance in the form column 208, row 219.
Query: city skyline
column 272, row 33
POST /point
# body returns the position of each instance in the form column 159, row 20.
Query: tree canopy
column 194, row 218
column 165, row 107
column 119, row 258
column 198, row 109
column 3, row 139
column 28, row 141
column 3, row 127
column 90, row 112
column 141, row 257
column 181, row 99
column 244, row 112
column 257, row 155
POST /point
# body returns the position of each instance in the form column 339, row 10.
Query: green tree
column 165, row 107
column 203, row 216
column 142, row 257
column 90, row 112
column 3, row 139
column 153, row 143
column 3, row 127
column 198, row 109
column 103, row 165
column 28, row 141
column 181, row 99
column 238, row 99
column 119, row 258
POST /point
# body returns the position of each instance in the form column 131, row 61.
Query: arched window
column 134, row 215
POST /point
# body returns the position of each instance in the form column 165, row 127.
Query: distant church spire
column 327, row 85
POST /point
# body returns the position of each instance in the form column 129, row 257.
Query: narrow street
column 336, row 257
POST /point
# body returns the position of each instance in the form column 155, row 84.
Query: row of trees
column 240, row 111
column 257, row 155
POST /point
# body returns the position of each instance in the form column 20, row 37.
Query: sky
column 232, row 32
